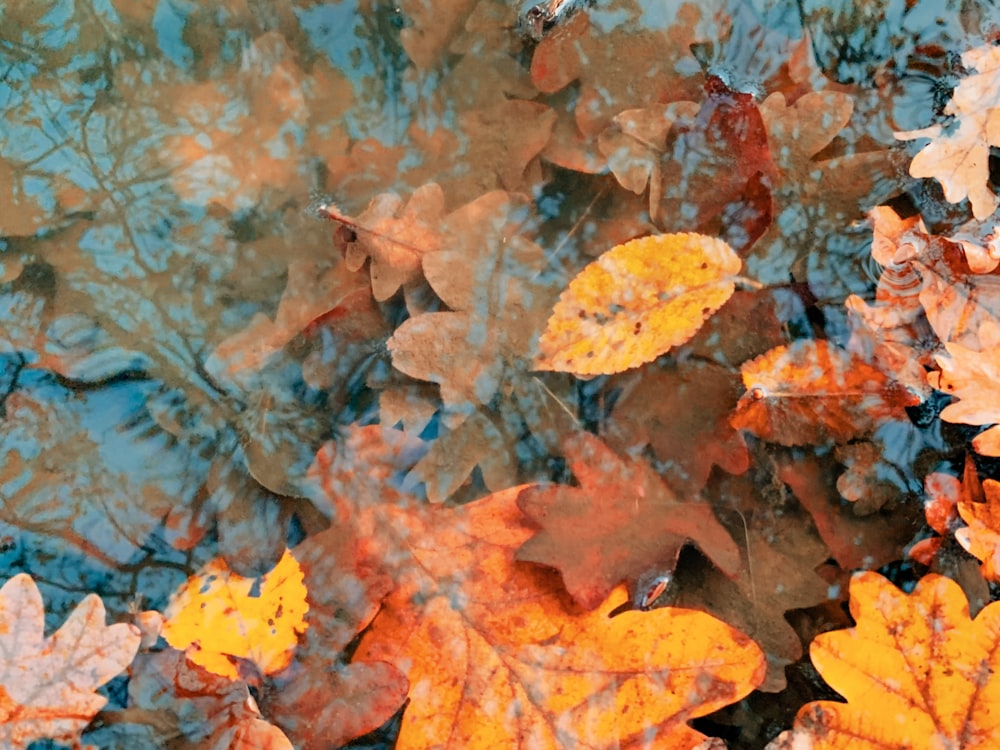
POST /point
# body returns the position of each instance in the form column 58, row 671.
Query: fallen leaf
column 495, row 659
column 854, row 541
column 981, row 537
column 621, row 522
column 811, row 392
column 637, row 301
column 172, row 699
column 683, row 414
column 48, row 686
column 959, row 156
column 916, row 671
column 974, row 377
column 218, row 619
column 394, row 236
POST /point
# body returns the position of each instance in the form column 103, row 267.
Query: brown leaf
column 621, row 522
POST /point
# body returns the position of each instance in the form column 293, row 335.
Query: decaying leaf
column 811, row 392
column 620, row 523
column 221, row 618
column 916, row 672
column 495, row 659
column 637, row 301
column 959, row 157
column 48, row 685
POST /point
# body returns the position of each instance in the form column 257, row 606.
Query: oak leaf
column 959, row 157
column 811, row 392
column 394, row 235
column 974, row 377
column 637, row 301
column 217, row 618
column 916, row 671
column 620, row 523
column 981, row 537
column 495, row 659
column 48, row 685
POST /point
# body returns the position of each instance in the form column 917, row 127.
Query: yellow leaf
column 637, row 301
column 217, row 619
column 916, row 672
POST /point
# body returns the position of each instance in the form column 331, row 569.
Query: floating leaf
column 637, row 301
column 916, row 672
column 47, row 685
column 221, row 617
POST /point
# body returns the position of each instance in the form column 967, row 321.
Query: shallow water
column 168, row 173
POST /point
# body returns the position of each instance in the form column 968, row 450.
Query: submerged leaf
column 637, row 301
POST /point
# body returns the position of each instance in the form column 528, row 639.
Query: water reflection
column 178, row 336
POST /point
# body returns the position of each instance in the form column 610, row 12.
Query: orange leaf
column 495, row 660
column 916, row 671
column 215, row 616
column 48, row 685
column 972, row 376
column 981, row 538
column 811, row 392
column 637, row 301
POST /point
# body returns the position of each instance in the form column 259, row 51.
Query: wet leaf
column 959, row 157
column 220, row 618
column 637, row 301
column 496, row 660
column 974, row 378
column 811, row 392
column 48, row 685
column 981, row 537
column 916, row 671
column 620, row 523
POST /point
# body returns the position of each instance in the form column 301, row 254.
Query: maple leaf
column 217, row 620
column 637, row 301
column 916, row 672
column 974, row 377
column 48, row 685
column 811, row 392
column 959, row 157
column 495, row 659
column 621, row 522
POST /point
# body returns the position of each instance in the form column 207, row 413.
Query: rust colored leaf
column 637, row 301
column 48, row 685
column 496, row 660
column 916, row 671
column 959, row 157
column 219, row 621
column 811, row 392
column 620, row 523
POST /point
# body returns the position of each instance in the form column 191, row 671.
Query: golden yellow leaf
column 916, row 672
column 219, row 617
column 637, row 301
